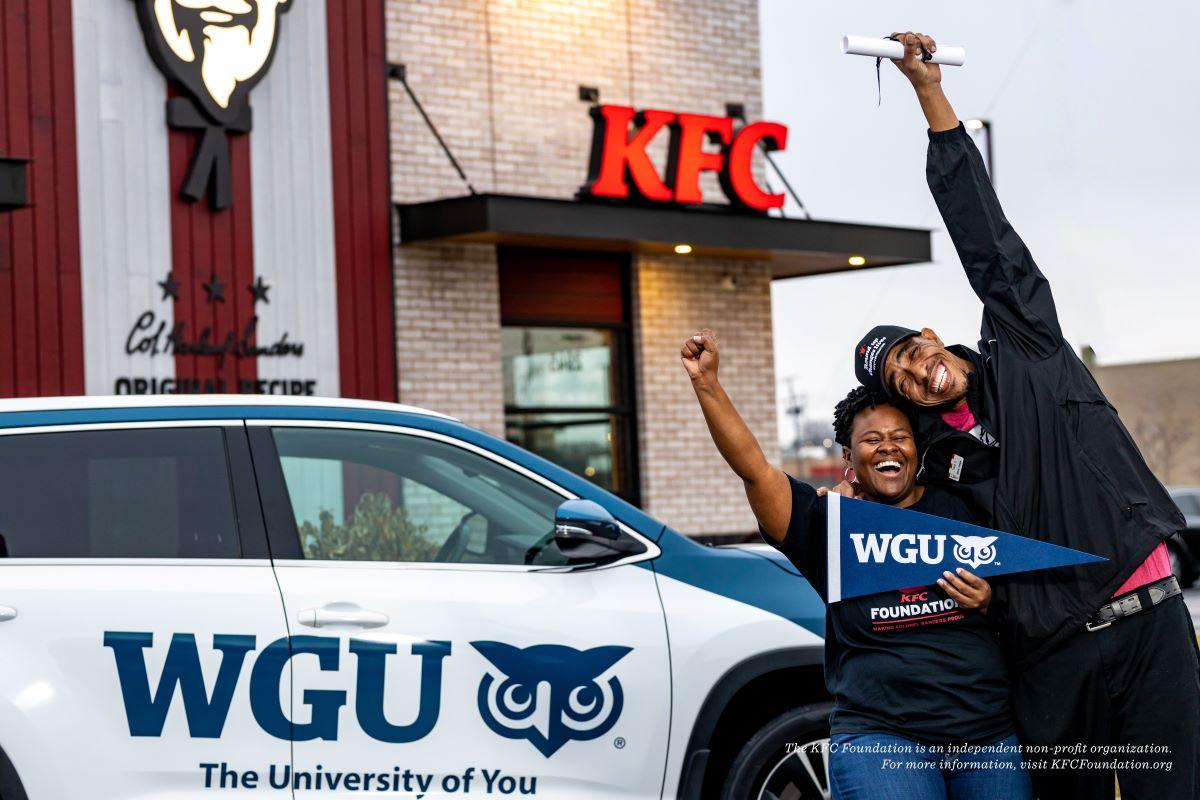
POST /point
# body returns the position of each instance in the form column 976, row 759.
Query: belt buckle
column 1126, row 606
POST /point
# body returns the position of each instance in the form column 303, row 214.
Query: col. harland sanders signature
column 147, row 338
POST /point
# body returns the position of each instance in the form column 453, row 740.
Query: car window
column 372, row 496
column 1188, row 503
column 150, row 493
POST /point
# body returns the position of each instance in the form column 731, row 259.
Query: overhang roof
column 792, row 247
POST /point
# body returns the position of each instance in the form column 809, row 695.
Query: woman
column 920, row 704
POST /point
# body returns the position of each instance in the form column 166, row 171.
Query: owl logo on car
column 975, row 551
column 548, row 693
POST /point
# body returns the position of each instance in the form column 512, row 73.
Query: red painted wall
column 362, row 198
column 561, row 286
column 41, row 316
column 206, row 242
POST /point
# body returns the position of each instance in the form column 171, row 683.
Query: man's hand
column 845, row 489
column 919, row 72
column 699, row 356
column 969, row 591
column 926, row 79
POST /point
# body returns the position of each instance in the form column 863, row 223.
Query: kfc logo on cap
column 871, row 352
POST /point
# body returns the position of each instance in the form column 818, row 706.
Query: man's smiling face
column 924, row 372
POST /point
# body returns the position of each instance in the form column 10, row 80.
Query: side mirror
column 585, row 531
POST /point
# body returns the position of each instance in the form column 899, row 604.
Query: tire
column 787, row 759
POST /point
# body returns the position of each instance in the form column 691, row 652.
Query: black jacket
column 1065, row 470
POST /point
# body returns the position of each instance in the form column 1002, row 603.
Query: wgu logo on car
column 548, row 693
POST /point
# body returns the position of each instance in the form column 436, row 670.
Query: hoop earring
column 847, row 472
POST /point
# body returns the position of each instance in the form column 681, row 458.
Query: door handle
column 342, row 614
column 7, row 613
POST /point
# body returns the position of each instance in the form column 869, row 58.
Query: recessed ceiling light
column 856, row 261
column 683, row 249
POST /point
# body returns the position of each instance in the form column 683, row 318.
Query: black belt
column 1131, row 603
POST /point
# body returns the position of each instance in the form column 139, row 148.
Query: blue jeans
column 907, row 770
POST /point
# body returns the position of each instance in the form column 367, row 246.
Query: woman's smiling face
column 883, row 454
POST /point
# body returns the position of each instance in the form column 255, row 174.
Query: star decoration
column 215, row 289
column 170, row 287
column 259, row 290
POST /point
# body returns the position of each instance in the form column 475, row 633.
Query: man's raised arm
column 1000, row 268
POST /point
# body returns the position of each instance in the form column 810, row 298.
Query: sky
column 1095, row 121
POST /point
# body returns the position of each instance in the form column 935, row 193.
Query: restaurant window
column 567, row 362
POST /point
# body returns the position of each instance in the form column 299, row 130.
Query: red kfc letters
column 620, row 166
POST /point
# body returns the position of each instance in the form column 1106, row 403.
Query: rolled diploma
column 886, row 48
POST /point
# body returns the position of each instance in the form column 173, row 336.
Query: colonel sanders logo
column 216, row 50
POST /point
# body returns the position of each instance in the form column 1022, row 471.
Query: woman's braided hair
column 859, row 398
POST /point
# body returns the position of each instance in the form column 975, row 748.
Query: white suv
column 233, row 596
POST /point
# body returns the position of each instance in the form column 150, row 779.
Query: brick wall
column 500, row 79
column 685, row 482
column 444, row 45
column 448, row 332
column 696, row 56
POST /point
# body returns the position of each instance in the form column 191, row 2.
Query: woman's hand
column 699, row 356
column 845, row 489
column 969, row 591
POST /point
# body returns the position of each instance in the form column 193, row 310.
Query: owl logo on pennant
column 975, row 551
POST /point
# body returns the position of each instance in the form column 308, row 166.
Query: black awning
column 13, row 191
column 793, row 247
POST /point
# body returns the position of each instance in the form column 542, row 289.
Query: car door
column 135, row 590
column 428, row 656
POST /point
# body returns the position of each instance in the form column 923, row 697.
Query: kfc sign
column 621, row 168
column 216, row 51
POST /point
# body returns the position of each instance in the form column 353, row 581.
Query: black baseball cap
column 871, row 353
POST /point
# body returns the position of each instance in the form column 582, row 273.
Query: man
column 1105, row 654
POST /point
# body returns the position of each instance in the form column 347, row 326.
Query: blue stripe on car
column 750, row 578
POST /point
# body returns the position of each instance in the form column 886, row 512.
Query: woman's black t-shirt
column 907, row 662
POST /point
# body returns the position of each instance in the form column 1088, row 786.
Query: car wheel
column 787, row 759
